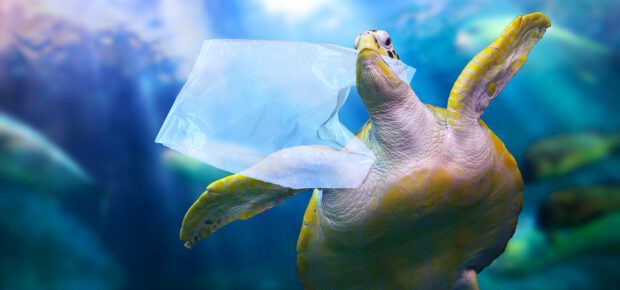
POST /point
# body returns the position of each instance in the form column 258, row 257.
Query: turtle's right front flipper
column 226, row 200
column 489, row 71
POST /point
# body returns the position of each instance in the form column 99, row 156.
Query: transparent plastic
column 269, row 110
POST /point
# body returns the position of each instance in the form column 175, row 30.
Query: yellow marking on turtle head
column 367, row 41
column 385, row 69
column 372, row 47
column 376, row 40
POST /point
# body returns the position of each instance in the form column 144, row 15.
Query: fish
column 563, row 154
column 532, row 250
column 574, row 207
column 29, row 160
column 573, row 224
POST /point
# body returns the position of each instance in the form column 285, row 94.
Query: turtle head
column 376, row 81
column 376, row 40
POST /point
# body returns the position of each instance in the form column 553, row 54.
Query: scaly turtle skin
column 439, row 204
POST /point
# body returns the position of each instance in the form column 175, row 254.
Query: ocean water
column 89, row 201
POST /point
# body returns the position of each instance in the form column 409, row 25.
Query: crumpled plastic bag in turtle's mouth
column 269, row 110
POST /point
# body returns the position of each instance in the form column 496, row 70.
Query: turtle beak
column 369, row 60
column 369, row 55
column 367, row 40
column 376, row 82
column 372, row 72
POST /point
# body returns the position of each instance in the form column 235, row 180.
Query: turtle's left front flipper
column 489, row 71
column 228, row 199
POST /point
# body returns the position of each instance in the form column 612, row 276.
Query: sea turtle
column 439, row 204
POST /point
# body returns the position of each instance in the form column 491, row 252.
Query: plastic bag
column 269, row 110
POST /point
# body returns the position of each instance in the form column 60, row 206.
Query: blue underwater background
column 89, row 201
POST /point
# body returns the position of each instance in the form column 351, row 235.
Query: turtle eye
column 388, row 42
